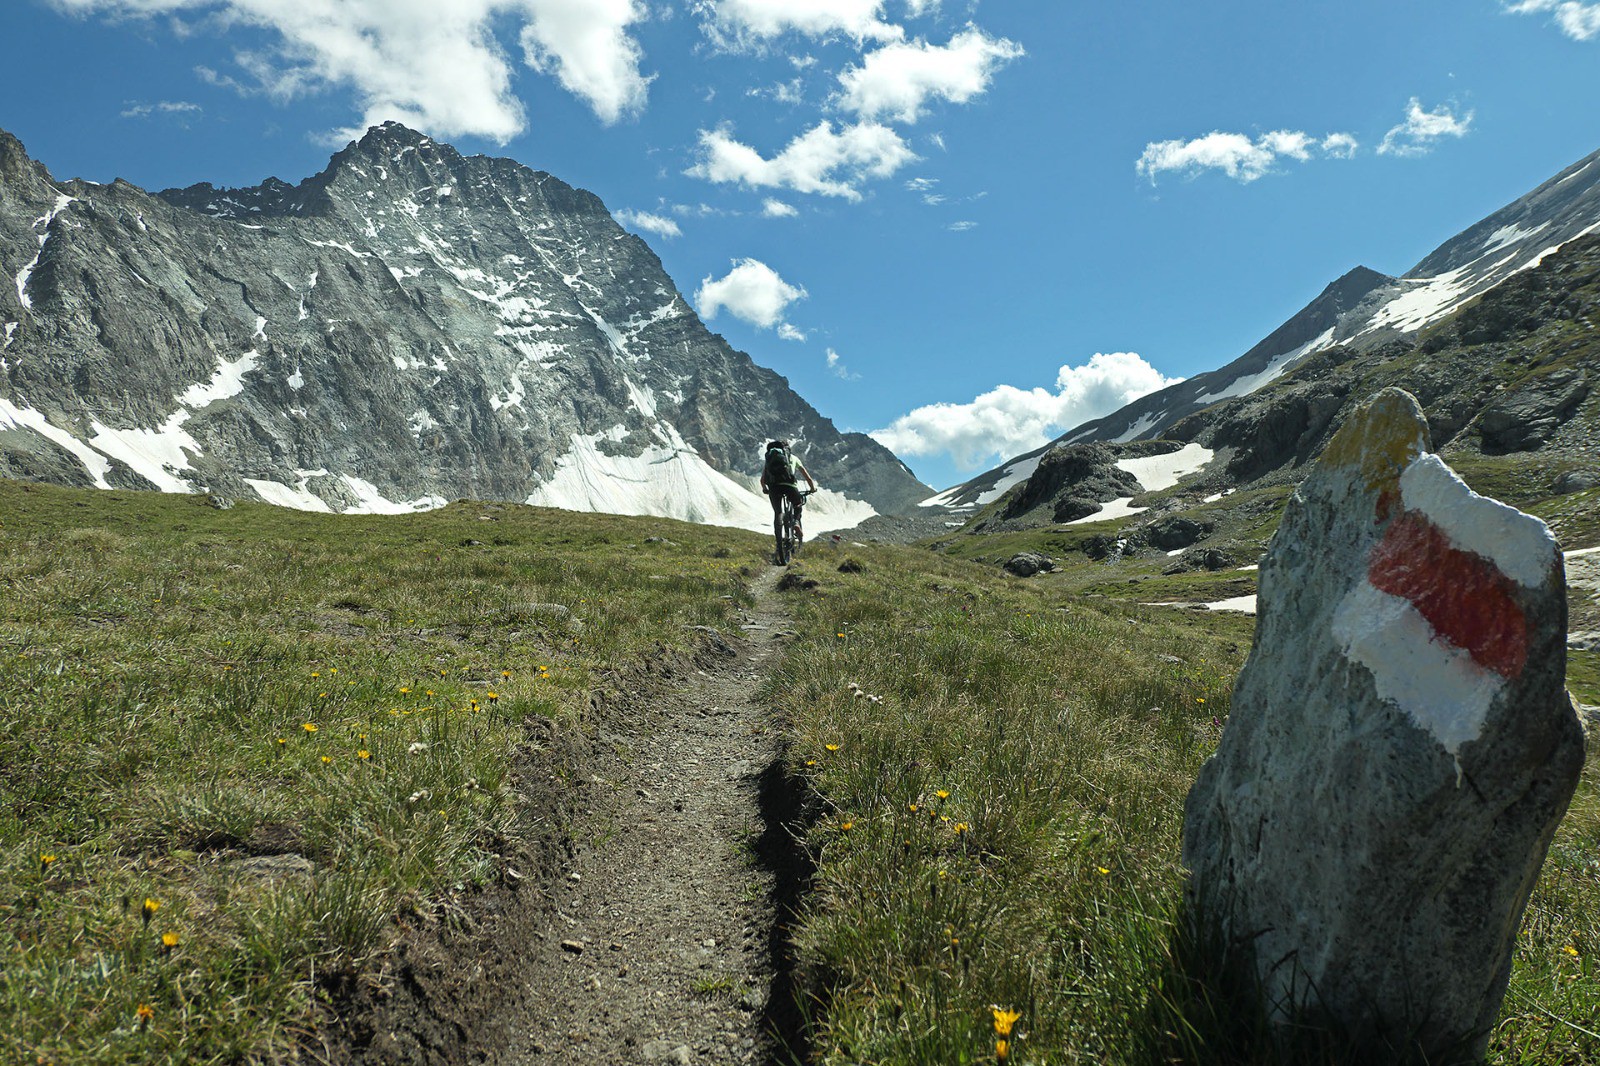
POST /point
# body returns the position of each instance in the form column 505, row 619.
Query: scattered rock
column 1401, row 747
column 1027, row 564
column 1577, row 481
column 716, row 640
column 1072, row 508
column 572, row 947
column 1101, row 546
column 1175, row 533
column 275, row 867
column 666, row 1051
column 555, row 613
column 792, row 581
column 851, row 566
column 661, row 540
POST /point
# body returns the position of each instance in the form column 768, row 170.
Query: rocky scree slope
column 408, row 326
column 1361, row 312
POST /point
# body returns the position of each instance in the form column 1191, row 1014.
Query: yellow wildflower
column 363, row 754
column 327, row 759
column 1004, row 1019
column 149, row 909
column 847, row 826
column 45, row 861
column 169, row 939
column 831, row 747
column 1002, row 1050
column 309, row 727
column 1570, row 950
column 1101, row 870
column 144, row 1014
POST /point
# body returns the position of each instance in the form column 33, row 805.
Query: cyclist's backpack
column 779, row 471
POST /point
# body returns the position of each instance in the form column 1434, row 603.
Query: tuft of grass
column 997, row 771
column 296, row 734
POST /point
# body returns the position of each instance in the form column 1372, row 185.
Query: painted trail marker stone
column 1400, row 749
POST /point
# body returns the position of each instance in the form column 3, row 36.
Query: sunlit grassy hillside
column 240, row 749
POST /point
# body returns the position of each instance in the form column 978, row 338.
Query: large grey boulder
column 1399, row 751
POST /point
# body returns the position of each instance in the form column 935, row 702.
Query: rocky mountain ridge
column 406, row 327
column 1364, row 311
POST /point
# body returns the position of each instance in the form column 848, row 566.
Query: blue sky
column 968, row 225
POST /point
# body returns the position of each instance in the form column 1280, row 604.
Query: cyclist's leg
column 777, row 525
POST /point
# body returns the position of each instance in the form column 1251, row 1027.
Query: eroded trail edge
column 663, row 941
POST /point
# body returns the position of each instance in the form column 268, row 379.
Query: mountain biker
column 780, row 477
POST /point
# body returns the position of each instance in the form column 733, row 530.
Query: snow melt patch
column 297, row 498
column 1144, row 425
column 1248, row 383
column 670, row 480
column 371, row 501
column 227, row 380
column 11, row 328
column 1512, row 234
column 1121, row 507
column 62, row 200
column 1425, row 300
column 157, row 455
column 14, row 417
column 1157, row 472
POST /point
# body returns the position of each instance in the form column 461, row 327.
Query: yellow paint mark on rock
column 1380, row 439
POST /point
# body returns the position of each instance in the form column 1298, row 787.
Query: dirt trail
column 663, row 934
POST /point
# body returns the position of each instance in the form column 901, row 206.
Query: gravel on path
column 661, row 939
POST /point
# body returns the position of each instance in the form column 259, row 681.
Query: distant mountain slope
column 406, row 327
column 1361, row 311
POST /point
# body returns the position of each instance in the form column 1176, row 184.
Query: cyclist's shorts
column 792, row 491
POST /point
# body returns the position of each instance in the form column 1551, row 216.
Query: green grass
column 1001, row 826
column 186, row 693
column 160, row 660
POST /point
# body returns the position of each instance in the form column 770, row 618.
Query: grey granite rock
column 1400, row 749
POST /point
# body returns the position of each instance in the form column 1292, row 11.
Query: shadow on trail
column 781, row 851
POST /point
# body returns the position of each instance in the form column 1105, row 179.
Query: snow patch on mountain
column 14, row 417
column 226, row 381
column 1248, row 383
column 669, row 479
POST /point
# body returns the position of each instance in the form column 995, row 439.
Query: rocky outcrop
column 409, row 326
column 1399, row 751
column 1027, row 564
column 1523, row 420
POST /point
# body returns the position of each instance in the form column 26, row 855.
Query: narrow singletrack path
column 660, row 945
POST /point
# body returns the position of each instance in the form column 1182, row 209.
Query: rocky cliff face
column 408, row 326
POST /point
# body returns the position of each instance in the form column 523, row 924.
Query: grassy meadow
column 1000, row 767
column 242, row 750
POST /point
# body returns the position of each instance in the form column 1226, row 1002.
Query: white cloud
column 837, row 368
column 165, row 107
column 1236, row 155
column 778, row 209
column 1579, row 21
column 741, row 23
column 660, row 225
column 962, row 226
column 818, row 161
column 787, row 332
column 1008, row 421
column 899, row 79
column 1340, row 145
column 918, row 8
column 1421, row 129
column 431, row 65
column 752, row 292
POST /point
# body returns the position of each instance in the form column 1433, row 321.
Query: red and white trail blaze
column 1436, row 619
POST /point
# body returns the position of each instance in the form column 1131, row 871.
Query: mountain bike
column 786, row 528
